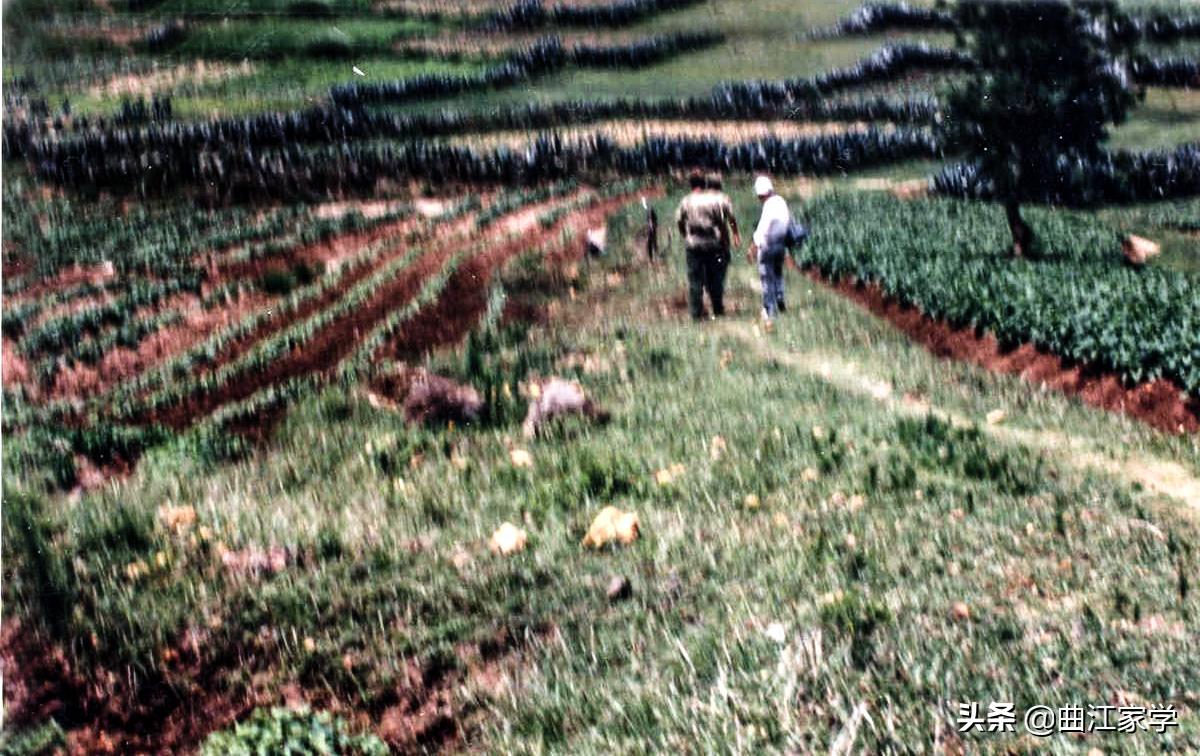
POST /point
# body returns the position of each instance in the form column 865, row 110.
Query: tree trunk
column 1022, row 234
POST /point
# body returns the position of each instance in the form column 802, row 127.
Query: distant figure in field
column 703, row 220
column 651, row 230
column 731, row 238
column 769, row 247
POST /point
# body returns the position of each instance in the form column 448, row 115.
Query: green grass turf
column 1044, row 527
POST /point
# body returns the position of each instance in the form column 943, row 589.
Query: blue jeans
column 770, row 272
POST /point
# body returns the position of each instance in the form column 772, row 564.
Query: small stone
column 619, row 588
column 508, row 539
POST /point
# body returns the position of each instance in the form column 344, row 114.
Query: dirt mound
column 427, row 398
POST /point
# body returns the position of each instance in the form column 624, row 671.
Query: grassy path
column 1158, row 475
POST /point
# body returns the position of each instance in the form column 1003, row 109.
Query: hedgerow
column 877, row 18
column 885, row 64
column 296, row 171
column 545, row 56
column 874, row 18
column 1111, row 177
column 534, row 14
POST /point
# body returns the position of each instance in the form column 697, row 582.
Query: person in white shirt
column 769, row 247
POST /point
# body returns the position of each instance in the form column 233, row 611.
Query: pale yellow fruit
column 521, row 458
column 995, row 417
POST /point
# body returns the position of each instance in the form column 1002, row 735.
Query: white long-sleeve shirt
column 773, row 224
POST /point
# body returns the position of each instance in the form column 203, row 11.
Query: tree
column 1049, row 78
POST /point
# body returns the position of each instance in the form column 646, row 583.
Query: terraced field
column 237, row 233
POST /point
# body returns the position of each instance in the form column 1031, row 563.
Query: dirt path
column 1160, row 476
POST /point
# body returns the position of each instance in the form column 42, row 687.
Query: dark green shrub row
column 643, row 52
column 874, row 18
column 888, row 63
column 545, row 56
column 296, row 171
column 1081, row 182
column 1079, row 301
column 877, row 18
column 1182, row 73
column 337, row 125
column 533, row 14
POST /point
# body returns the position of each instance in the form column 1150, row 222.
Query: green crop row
column 202, row 354
column 281, row 343
column 1078, row 300
column 515, row 200
column 59, row 335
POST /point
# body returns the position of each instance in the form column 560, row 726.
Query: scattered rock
column 612, row 525
column 252, row 562
column 508, row 539
column 776, row 632
column 668, row 475
column 1138, row 250
column 520, row 458
column 177, row 519
column 619, row 588
column 909, row 190
column 717, row 448
column 597, row 239
column 426, row 398
column 995, row 417
column 556, row 397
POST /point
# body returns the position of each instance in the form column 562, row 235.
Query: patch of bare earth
column 14, row 371
column 190, row 694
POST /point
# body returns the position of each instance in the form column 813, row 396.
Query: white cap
column 763, row 186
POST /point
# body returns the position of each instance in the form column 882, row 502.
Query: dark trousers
column 706, row 269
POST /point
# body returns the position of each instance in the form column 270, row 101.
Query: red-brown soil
column 119, row 364
column 176, row 706
column 1159, row 403
column 13, row 370
column 338, row 339
column 73, row 276
column 465, row 298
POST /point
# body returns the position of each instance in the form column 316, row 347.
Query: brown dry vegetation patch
column 471, row 44
column 1159, row 403
column 626, row 132
column 146, row 84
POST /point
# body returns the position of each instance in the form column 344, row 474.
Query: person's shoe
column 782, row 306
